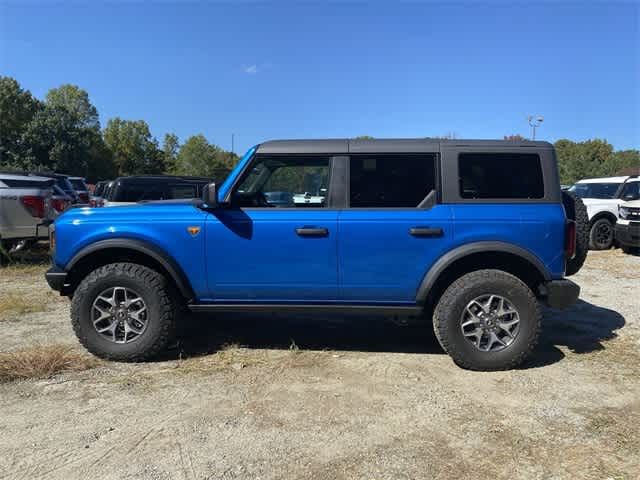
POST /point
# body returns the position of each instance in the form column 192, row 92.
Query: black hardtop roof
column 387, row 145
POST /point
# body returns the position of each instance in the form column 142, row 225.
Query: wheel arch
column 108, row 251
column 603, row 214
column 478, row 256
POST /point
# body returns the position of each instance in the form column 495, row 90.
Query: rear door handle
column 312, row 232
column 426, row 232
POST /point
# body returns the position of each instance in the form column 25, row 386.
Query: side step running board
column 333, row 308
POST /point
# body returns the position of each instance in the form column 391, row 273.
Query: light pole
column 534, row 122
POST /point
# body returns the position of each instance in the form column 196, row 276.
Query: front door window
column 284, row 182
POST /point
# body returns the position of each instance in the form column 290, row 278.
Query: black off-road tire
column 575, row 210
column 602, row 222
column 448, row 317
column 159, row 296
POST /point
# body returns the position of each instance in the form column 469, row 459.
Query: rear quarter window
column 500, row 176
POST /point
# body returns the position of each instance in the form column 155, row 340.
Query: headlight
column 623, row 212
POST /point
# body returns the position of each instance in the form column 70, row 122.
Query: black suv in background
column 138, row 188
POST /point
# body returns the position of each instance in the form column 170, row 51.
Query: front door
column 277, row 241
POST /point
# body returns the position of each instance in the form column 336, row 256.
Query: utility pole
column 232, row 142
column 534, row 122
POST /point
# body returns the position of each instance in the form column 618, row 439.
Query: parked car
column 139, row 188
column 96, row 199
column 80, row 188
column 307, row 199
column 25, row 209
column 628, row 224
column 60, row 201
column 279, row 199
column 602, row 196
column 62, row 181
column 469, row 234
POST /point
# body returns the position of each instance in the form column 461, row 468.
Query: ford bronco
column 471, row 235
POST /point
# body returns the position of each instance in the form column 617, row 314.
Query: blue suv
column 469, row 234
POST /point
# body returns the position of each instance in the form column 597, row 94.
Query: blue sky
column 299, row 70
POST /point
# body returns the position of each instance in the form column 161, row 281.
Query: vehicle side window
column 277, row 181
column 631, row 191
column 182, row 191
column 390, row 181
column 500, row 175
column 138, row 192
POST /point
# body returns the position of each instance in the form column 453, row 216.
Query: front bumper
column 56, row 278
column 560, row 293
column 628, row 234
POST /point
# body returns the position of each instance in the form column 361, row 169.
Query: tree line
column 62, row 133
column 591, row 158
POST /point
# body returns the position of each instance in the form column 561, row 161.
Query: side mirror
column 210, row 195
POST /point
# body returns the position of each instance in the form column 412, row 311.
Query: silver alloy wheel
column 490, row 322
column 119, row 314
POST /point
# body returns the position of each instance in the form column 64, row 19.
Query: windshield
column 631, row 191
column 64, row 184
column 595, row 190
column 78, row 184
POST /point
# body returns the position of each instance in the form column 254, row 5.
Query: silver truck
column 25, row 209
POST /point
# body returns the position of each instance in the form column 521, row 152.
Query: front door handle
column 312, row 232
column 426, row 232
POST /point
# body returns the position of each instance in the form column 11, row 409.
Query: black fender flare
column 462, row 251
column 146, row 248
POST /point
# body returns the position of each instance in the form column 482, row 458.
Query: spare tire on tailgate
column 576, row 211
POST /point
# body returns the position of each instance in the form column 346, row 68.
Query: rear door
column 393, row 228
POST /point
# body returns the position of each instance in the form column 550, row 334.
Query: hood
column 144, row 211
column 632, row 204
column 600, row 201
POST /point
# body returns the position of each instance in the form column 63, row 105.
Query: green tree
column 17, row 109
column 170, row 149
column 198, row 157
column 134, row 149
column 627, row 160
column 76, row 101
column 583, row 159
column 64, row 136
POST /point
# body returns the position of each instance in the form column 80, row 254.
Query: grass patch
column 42, row 361
column 12, row 304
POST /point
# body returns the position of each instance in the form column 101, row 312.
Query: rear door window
column 500, row 175
column 390, row 181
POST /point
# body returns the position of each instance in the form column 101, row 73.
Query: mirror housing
column 210, row 195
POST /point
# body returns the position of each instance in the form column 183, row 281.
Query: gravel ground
column 332, row 397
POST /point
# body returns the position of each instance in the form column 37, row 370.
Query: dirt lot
column 310, row 397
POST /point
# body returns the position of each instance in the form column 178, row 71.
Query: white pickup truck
column 602, row 197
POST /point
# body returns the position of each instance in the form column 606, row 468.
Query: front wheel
column 601, row 234
column 124, row 312
column 488, row 320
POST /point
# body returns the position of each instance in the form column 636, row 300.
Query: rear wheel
column 124, row 312
column 601, row 234
column 488, row 320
